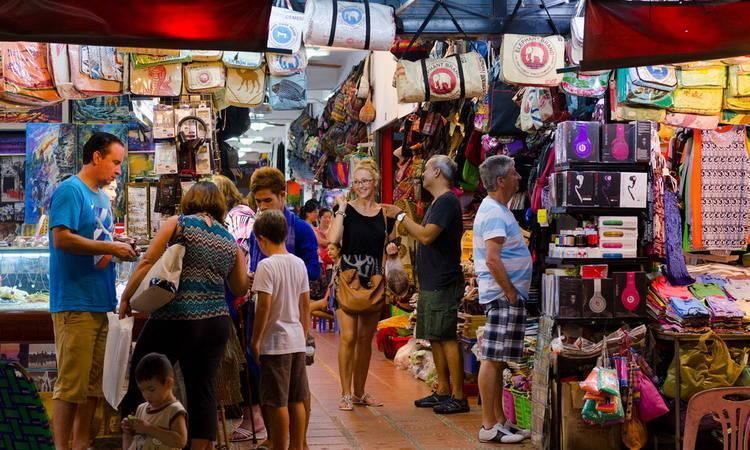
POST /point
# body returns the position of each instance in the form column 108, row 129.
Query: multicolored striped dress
column 210, row 255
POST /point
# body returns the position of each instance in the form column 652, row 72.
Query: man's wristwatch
column 400, row 216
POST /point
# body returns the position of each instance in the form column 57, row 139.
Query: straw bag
column 245, row 87
column 354, row 298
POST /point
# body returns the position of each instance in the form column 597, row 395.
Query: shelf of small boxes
column 614, row 239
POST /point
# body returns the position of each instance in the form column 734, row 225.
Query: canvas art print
column 101, row 109
column 50, row 158
column 11, row 179
column 118, row 189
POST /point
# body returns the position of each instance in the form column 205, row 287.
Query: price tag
column 541, row 218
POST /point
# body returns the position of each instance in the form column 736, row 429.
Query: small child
column 282, row 319
column 159, row 423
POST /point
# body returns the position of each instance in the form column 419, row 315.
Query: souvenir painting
column 48, row 114
column 141, row 165
column 11, row 212
column 50, row 158
column 11, row 179
column 121, row 131
column 140, row 137
column 102, row 109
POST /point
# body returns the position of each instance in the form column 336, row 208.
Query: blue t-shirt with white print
column 495, row 220
column 81, row 283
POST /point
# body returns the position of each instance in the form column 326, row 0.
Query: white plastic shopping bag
column 117, row 359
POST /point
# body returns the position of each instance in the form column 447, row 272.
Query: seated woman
column 322, row 308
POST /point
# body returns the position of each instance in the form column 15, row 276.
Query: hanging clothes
column 725, row 189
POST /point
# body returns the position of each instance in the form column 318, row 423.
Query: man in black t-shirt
column 441, row 283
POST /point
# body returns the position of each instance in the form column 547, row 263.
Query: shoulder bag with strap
column 357, row 299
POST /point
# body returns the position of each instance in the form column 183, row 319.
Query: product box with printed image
column 608, row 189
column 642, row 140
column 630, row 294
column 617, row 143
column 579, row 188
column 577, row 142
column 570, row 297
column 598, row 295
column 633, row 189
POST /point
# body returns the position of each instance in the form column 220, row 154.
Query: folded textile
column 738, row 288
column 703, row 290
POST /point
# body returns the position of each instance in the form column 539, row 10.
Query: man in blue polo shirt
column 82, row 286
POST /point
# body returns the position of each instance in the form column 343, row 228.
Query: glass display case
column 24, row 293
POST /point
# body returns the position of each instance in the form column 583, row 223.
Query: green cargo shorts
column 437, row 313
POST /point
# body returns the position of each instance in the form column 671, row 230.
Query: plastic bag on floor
column 117, row 358
column 402, row 360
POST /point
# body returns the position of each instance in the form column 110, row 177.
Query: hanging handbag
column 205, row 77
column 585, row 85
column 663, row 78
column 245, row 87
column 739, row 83
column 25, row 74
column 363, row 86
column 86, row 84
column 243, row 60
column 444, row 79
column 697, row 100
column 162, row 281
column 157, row 81
column 206, row 55
column 59, row 66
column 285, row 28
column 281, row 65
column 707, row 77
column 143, row 61
column 362, row 26
column 288, row 92
column 355, row 298
column 532, row 60
column 577, row 24
column 651, row 404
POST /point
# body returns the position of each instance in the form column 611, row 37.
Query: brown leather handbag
column 353, row 297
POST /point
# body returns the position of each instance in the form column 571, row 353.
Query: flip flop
column 247, row 435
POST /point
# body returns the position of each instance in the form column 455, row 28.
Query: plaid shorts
column 504, row 331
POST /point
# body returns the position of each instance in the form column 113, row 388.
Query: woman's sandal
column 346, row 403
column 366, row 400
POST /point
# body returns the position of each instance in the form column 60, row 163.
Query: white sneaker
column 500, row 434
column 516, row 429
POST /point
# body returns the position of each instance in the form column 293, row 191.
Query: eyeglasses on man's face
column 361, row 182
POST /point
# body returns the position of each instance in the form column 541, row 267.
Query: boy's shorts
column 80, row 339
column 283, row 379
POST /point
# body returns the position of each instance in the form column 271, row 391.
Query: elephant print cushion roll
column 368, row 26
column 532, row 60
column 434, row 80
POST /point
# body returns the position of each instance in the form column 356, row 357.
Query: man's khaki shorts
column 80, row 339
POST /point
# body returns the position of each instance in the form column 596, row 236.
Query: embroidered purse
column 205, row 77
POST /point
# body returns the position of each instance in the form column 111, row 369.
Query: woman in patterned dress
column 194, row 327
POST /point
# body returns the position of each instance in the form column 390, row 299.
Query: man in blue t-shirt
column 502, row 263
column 82, row 286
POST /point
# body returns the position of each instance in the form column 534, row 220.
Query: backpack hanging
column 243, row 60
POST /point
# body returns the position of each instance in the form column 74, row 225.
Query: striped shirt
column 495, row 220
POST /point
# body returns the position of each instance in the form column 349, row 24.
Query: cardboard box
column 633, row 189
column 570, row 297
column 617, row 223
column 618, row 244
column 617, row 143
column 621, row 233
column 601, row 305
column 608, row 189
column 642, row 140
column 630, row 294
column 576, row 434
column 577, row 142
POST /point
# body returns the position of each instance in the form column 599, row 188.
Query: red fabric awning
column 182, row 24
column 639, row 33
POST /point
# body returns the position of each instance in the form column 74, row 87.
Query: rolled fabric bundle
column 363, row 26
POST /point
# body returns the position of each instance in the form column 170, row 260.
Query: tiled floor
column 397, row 425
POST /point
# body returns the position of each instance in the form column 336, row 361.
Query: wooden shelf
column 551, row 261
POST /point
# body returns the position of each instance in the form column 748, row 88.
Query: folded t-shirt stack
column 688, row 315
column 726, row 315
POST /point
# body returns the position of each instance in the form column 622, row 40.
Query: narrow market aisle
column 397, row 425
